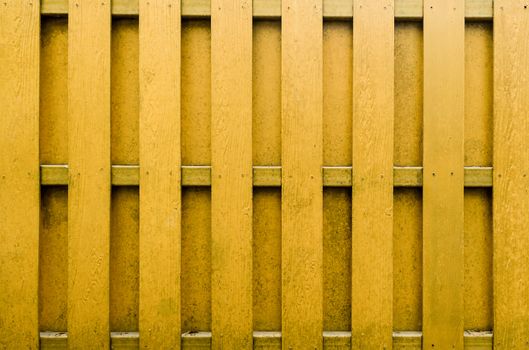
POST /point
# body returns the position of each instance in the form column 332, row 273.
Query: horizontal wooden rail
column 270, row 9
column 267, row 340
column 265, row 176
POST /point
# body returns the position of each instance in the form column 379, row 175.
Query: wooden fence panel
column 231, row 174
column 89, row 173
column 443, row 176
column 160, row 177
column 201, row 136
column 19, row 173
column 511, row 183
column 372, row 249
column 302, row 157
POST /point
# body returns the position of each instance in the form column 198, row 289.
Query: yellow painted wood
column 53, row 113
column 196, row 259
column 409, row 340
column 160, row 176
column 196, row 92
column 443, row 177
column 478, row 93
column 266, row 176
column 266, row 149
column 125, row 340
column 19, row 164
column 124, row 259
column 372, row 244
column 268, row 9
column 478, row 259
column 53, row 340
column 408, row 93
column 407, row 259
column 511, row 167
column 53, row 259
column 231, row 174
column 196, row 149
column 53, row 139
column 302, row 157
column 89, row 176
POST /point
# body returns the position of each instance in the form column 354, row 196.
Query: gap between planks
column 271, row 9
column 269, row 340
column 265, row 176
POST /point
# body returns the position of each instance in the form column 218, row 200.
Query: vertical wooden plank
column 89, row 173
column 372, row 243
column 443, row 239
column 302, row 157
column 510, row 181
column 231, row 174
column 160, row 177
column 19, row 173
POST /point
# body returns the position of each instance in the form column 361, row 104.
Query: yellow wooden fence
column 235, row 174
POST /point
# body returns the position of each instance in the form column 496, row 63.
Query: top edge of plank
column 271, row 9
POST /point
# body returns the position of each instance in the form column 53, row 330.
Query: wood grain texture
column 89, row 175
column 443, row 178
column 19, row 173
column 372, row 244
column 160, row 176
column 231, row 174
column 511, row 183
column 302, row 157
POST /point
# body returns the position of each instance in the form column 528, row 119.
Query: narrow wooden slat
column 511, row 175
column 478, row 340
column 53, row 341
column 126, row 7
column 267, row 340
column 338, row 9
column 302, row 156
column 407, row 340
column 265, row 176
column 407, row 176
column 337, row 340
column 372, row 195
column 337, row 176
column 443, row 176
column 231, row 174
column 271, row 9
column 478, row 176
column 196, row 340
column 408, row 9
column 478, row 9
column 19, row 163
column 125, row 340
column 125, row 175
column 54, row 7
column 52, row 175
column 160, row 176
column 196, row 176
column 89, row 175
